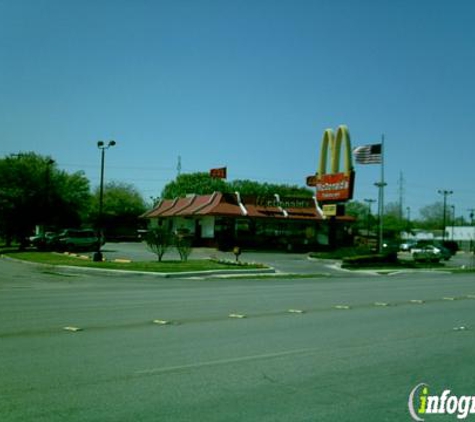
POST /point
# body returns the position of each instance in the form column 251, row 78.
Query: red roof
column 227, row 205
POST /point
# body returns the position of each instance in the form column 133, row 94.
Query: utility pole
column 472, row 215
column 445, row 193
column 408, row 217
column 178, row 166
column 401, row 195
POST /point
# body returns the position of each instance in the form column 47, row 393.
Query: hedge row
column 369, row 260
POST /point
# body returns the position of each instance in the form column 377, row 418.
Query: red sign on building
column 335, row 187
column 218, row 173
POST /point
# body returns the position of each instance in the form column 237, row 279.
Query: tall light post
column 47, row 196
column 445, row 193
column 472, row 215
column 453, row 220
column 102, row 146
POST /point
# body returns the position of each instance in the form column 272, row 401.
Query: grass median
column 169, row 266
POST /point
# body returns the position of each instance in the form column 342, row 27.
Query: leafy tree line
column 33, row 191
column 431, row 218
column 202, row 183
column 394, row 222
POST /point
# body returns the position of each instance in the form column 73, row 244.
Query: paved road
column 327, row 364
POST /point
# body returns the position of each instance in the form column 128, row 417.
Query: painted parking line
column 72, row 329
column 238, row 316
column 345, row 307
column 161, row 322
column 460, row 328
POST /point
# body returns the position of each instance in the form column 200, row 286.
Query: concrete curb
column 184, row 274
column 336, row 265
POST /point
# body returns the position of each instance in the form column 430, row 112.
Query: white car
column 430, row 253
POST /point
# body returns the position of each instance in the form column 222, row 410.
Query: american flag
column 368, row 154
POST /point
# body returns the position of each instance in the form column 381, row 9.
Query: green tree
column 360, row 211
column 249, row 187
column 432, row 216
column 393, row 223
column 203, row 183
column 34, row 192
column 122, row 206
column 158, row 240
column 198, row 183
column 183, row 244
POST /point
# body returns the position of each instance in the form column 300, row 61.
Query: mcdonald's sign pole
column 333, row 186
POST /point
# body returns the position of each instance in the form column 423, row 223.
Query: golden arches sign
column 334, row 143
column 334, row 185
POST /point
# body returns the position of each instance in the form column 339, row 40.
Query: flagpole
column 381, row 186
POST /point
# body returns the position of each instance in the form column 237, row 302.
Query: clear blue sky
column 251, row 84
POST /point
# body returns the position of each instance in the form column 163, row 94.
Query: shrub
column 158, row 241
column 369, row 260
column 183, row 246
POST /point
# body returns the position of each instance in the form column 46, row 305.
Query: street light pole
column 453, row 220
column 47, row 197
column 472, row 215
column 445, row 193
column 102, row 146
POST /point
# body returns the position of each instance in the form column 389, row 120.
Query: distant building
column 227, row 220
column 463, row 235
column 460, row 233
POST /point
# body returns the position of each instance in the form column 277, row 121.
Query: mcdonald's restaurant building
column 226, row 220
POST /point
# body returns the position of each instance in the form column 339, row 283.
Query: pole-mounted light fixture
column 102, row 146
column 445, row 193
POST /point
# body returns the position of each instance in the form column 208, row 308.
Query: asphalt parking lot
column 282, row 261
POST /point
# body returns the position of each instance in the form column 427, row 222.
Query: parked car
column 44, row 241
column 430, row 253
column 452, row 246
column 407, row 245
column 73, row 239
